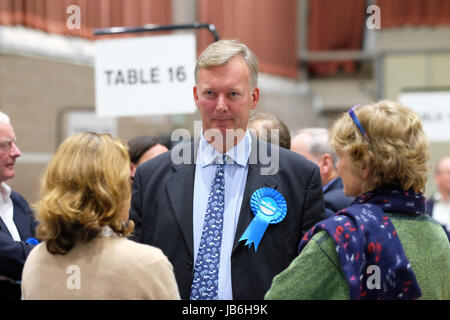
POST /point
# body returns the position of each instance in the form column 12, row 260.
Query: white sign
column 145, row 75
column 84, row 121
column 434, row 109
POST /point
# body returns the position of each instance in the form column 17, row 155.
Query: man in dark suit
column 172, row 198
column 16, row 218
column 312, row 143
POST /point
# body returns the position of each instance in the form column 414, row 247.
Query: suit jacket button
column 189, row 265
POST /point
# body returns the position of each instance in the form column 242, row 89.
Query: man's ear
column 195, row 95
column 255, row 98
column 326, row 163
column 132, row 169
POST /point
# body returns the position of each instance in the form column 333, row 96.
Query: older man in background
column 312, row 143
column 438, row 206
column 17, row 224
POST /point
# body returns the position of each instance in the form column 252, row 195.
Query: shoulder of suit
column 19, row 200
column 17, row 196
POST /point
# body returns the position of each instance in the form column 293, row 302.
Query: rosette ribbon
column 269, row 207
column 32, row 241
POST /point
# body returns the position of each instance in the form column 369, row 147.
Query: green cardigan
column 316, row 274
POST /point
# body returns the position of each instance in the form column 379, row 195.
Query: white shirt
column 7, row 210
column 235, row 172
column 441, row 211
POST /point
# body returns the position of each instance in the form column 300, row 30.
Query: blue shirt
column 235, row 171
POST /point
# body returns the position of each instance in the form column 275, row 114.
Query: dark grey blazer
column 14, row 253
column 162, row 209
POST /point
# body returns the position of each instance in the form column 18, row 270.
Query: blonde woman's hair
column 85, row 187
column 220, row 52
column 397, row 148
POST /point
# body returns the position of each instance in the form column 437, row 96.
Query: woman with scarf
column 383, row 246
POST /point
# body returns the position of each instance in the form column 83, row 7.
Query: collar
column 5, row 192
column 325, row 187
column 437, row 197
column 239, row 154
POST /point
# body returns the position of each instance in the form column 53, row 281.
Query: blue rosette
column 32, row 241
column 269, row 207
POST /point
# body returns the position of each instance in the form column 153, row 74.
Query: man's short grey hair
column 4, row 118
column 317, row 142
column 220, row 52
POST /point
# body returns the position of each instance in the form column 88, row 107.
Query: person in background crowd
column 83, row 223
column 312, row 143
column 143, row 148
column 198, row 210
column 17, row 224
column 268, row 127
column 384, row 246
column 438, row 206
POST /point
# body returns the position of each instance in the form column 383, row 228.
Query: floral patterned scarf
column 370, row 253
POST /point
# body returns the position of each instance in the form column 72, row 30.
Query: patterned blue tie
column 206, row 268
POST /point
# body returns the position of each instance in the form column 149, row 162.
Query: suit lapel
column 180, row 189
column 22, row 222
column 254, row 181
column 20, row 218
column 3, row 227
